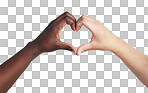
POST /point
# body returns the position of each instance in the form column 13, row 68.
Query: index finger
column 87, row 21
column 62, row 22
column 64, row 15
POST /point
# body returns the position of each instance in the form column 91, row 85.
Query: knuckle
column 66, row 13
column 66, row 18
column 83, row 17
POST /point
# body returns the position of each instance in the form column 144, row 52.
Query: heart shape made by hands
column 78, row 24
column 75, row 38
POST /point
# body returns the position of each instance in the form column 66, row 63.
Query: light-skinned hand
column 102, row 38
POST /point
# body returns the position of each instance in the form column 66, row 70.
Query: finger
column 73, row 25
column 63, row 15
column 79, row 23
column 65, row 20
column 83, row 48
column 87, row 21
column 66, row 46
column 71, row 22
column 66, row 14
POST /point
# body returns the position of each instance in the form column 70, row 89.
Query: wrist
column 34, row 47
column 119, row 45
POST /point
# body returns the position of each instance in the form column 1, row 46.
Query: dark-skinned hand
column 49, row 39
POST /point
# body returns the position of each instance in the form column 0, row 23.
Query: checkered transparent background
column 60, row 71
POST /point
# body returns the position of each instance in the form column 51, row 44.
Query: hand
column 102, row 38
column 49, row 39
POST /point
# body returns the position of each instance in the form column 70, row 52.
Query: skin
column 103, row 39
column 47, row 41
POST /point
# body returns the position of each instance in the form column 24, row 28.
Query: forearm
column 15, row 66
column 136, row 61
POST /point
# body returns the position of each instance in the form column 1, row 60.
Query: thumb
column 66, row 46
column 83, row 48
